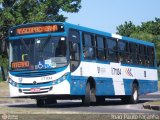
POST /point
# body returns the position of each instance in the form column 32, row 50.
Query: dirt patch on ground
column 4, row 95
column 4, row 89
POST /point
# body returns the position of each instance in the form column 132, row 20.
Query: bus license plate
column 35, row 89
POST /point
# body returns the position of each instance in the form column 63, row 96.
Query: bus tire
column 40, row 102
column 87, row 98
column 100, row 100
column 135, row 94
column 51, row 101
column 134, row 97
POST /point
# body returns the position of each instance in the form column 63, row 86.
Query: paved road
column 111, row 106
column 75, row 106
column 73, row 110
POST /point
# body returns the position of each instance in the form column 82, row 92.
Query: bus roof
column 89, row 30
column 109, row 34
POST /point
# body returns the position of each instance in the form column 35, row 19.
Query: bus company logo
column 128, row 72
column 98, row 69
column 34, row 82
column 101, row 70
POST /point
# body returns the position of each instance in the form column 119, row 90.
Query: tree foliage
column 14, row 12
column 126, row 29
column 149, row 31
column 150, row 27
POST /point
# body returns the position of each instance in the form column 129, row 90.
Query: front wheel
column 40, row 102
column 87, row 98
column 100, row 100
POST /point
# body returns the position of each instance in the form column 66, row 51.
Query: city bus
column 49, row 61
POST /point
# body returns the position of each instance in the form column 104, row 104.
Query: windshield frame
column 48, row 37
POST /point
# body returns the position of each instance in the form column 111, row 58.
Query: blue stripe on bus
column 37, row 35
column 104, row 86
column 37, row 73
column 78, row 85
column 148, row 86
column 38, row 85
column 145, row 86
column 137, row 41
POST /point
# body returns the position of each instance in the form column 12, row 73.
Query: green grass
column 0, row 77
column 153, row 103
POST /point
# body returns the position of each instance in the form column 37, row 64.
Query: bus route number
column 116, row 71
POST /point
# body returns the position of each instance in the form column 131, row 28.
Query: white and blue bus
column 58, row 60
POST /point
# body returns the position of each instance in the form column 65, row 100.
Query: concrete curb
column 151, row 107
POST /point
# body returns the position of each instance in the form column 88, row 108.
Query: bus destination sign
column 35, row 29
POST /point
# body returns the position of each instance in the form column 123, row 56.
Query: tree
column 14, row 12
column 148, row 31
column 151, row 27
column 127, row 29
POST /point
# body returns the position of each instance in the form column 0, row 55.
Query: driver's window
column 74, row 49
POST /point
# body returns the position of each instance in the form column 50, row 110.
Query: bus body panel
column 115, row 79
column 111, row 78
column 58, row 83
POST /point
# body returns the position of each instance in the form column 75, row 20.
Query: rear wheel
column 134, row 97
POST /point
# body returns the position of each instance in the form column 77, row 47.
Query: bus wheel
column 134, row 97
column 87, row 98
column 51, row 101
column 100, row 100
column 40, row 102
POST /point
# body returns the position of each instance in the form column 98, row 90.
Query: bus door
column 74, row 47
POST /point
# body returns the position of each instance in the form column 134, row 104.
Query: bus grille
column 42, row 90
column 27, row 88
column 33, row 73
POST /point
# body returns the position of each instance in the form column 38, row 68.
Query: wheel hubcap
column 135, row 95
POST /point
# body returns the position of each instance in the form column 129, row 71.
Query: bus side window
column 138, row 60
column 74, row 47
column 100, row 48
column 142, row 54
column 145, row 56
column 88, row 46
column 106, row 49
column 112, row 49
column 132, row 53
column 123, row 52
column 151, row 56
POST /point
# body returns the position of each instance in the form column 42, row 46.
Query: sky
column 106, row 15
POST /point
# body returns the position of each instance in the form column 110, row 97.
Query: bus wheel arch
column 90, row 92
column 134, row 97
column 135, row 92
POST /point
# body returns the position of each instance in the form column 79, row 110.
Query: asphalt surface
column 73, row 110
column 75, row 106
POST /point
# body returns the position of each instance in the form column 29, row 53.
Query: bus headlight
column 59, row 80
column 13, row 83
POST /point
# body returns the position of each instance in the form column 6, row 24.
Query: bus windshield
column 38, row 53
